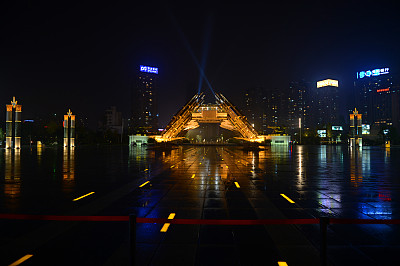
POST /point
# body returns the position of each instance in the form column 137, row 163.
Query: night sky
column 84, row 56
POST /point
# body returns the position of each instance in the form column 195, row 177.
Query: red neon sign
column 382, row 90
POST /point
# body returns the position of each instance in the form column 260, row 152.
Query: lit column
column 18, row 111
column 72, row 132
column 9, row 122
column 355, row 129
column 300, row 128
column 359, row 129
column 65, row 125
column 13, row 125
column 69, row 130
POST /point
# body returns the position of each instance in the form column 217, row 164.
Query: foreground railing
column 133, row 220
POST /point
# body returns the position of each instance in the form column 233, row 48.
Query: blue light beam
column 187, row 45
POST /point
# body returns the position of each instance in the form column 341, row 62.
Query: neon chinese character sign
column 372, row 73
column 149, row 69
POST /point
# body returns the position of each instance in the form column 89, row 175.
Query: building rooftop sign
column 327, row 82
column 149, row 69
column 372, row 73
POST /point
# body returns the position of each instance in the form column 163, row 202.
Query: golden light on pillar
column 13, row 125
column 69, row 130
column 355, row 129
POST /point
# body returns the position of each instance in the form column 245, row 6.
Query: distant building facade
column 266, row 110
column 144, row 116
column 377, row 96
column 113, row 119
column 299, row 104
column 326, row 103
column 255, row 108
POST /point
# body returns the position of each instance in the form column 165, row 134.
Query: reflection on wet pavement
column 216, row 182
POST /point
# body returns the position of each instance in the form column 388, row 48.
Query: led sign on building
column 365, row 129
column 340, row 128
column 322, row 133
column 372, row 73
column 382, row 90
column 149, row 69
column 327, row 82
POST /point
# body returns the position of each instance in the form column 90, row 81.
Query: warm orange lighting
column 282, row 263
column 287, row 198
column 193, row 175
column 21, row 260
column 237, row 184
column 172, row 166
column 88, row 194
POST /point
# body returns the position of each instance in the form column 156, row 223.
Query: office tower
column 376, row 93
column 326, row 102
column 144, row 117
column 113, row 120
column 298, row 102
column 255, row 108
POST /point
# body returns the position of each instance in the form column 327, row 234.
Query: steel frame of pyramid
column 195, row 112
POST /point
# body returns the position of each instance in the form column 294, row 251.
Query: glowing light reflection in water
column 12, row 176
column 68, row 170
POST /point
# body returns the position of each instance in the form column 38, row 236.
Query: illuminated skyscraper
column 69, row 130
column 376, row 94
column 298, row 104
column 144, row 117
column 13, row 125
column 255, row 108
column 326, row 103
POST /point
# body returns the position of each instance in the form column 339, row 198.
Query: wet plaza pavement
column 201, row 182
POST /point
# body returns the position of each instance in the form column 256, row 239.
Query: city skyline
column 85, row 57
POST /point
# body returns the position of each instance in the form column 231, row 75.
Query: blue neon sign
column 149, row 69
column 372, row 73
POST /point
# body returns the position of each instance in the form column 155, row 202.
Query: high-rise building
column 276, row 104
column 326, row 103
column 255, row 108
column 144, row 117
column 298, row 102
column 113, row 119
column 376, row 94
